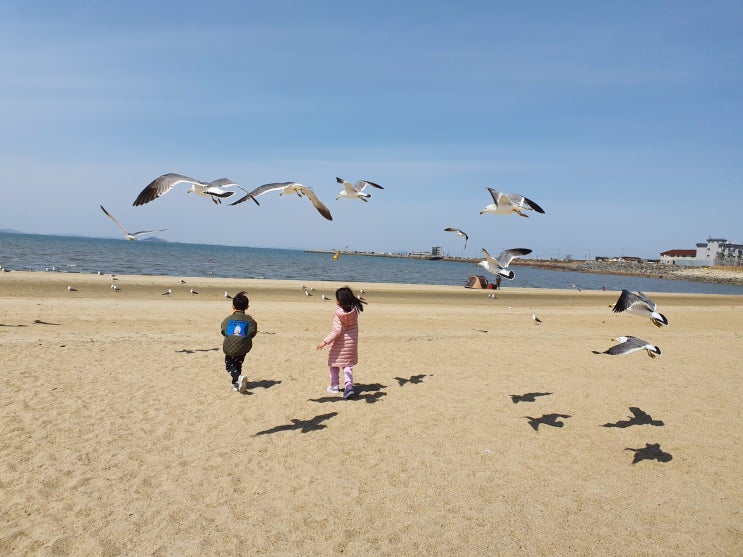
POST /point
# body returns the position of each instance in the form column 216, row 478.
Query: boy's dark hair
column 347, row 300
column 240, row 301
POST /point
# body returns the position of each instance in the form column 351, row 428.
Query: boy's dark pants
column 234, row 365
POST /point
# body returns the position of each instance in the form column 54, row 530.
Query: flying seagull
column 216, row 190
column 629, row 344
column 286, row 188
column 639, row 304
column 130, row 235
column 355, row 191
column 498, row 265
column 459, row 233
column 507, row 203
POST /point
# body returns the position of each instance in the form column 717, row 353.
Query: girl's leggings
column 335, row 372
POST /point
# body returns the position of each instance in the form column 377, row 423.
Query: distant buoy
column 336, row 255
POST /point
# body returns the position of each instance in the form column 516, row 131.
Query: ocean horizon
column 77, row 254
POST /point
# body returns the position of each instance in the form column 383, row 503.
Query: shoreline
column 665, row 271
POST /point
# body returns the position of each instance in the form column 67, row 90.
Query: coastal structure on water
column 715, row 251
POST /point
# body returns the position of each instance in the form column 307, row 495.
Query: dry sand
column 121, row 435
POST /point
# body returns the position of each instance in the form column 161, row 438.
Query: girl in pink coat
column 343, row 340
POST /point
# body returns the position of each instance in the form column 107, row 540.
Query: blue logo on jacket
column 237, row 328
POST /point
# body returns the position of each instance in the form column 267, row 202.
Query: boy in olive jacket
column 238, row 330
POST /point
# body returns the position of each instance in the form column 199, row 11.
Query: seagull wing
column 361, row 185
column 260, row 190
column 650, row 303
column 627, row 300
column 490, row 259
column 498, row 197
column 226, row 183
column 519, row 200
column 508, row 255
column 323, row 210
column 117, row 222
column 162, row 185
column 348, row 186
column 143, row 232
column 632, row 344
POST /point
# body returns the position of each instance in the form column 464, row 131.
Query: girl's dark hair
column 347, row 300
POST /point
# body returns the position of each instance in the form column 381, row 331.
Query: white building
column 715, row 251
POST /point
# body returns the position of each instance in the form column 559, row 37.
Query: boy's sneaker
column 234, row 386
column 334, row 389
column 349, row 392
column 242, row 384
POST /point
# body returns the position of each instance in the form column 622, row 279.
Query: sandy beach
column 121, row 434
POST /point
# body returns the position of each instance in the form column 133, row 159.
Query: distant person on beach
column 238, row 330
column 343, row 340
column 497, row 282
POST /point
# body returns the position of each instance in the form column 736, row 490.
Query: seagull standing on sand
column 639, row 304
column 70, row 289
column 287, row 188
column 536, row 319
column 193, row 291
column 629, row 344
column 115, row 288
column 216, row 190
column 507, row 203
column 459, row 233
column 168, row 292
column 498, row 265
column 227, row 295
column 355, row 191
column 131, row 235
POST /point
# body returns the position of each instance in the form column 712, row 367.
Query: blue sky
column 622, row 120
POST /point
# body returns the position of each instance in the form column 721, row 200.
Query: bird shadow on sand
column 527, row 397
column 413, row 379
column 304, row 426
column 40, row 322
column 369, row 393
column 650, row 452
column 189, row 351
column 552, row 420
column 8, row 325
column 638, row 417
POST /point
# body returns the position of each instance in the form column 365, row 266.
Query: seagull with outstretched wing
column 460, row 233
column 507, row 203
column 639, row 304
column 130, row 235
column 629, row 344
column 216, row 190
column 287, row 188
column 498, row 265
column 355, row 191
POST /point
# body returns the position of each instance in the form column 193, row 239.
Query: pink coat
column 344, row 339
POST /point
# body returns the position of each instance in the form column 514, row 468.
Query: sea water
column 42, row 253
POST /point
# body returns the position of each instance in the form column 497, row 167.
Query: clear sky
column 623, row 120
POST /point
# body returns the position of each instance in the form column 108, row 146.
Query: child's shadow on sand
column 369, row 393
column 192, row 351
